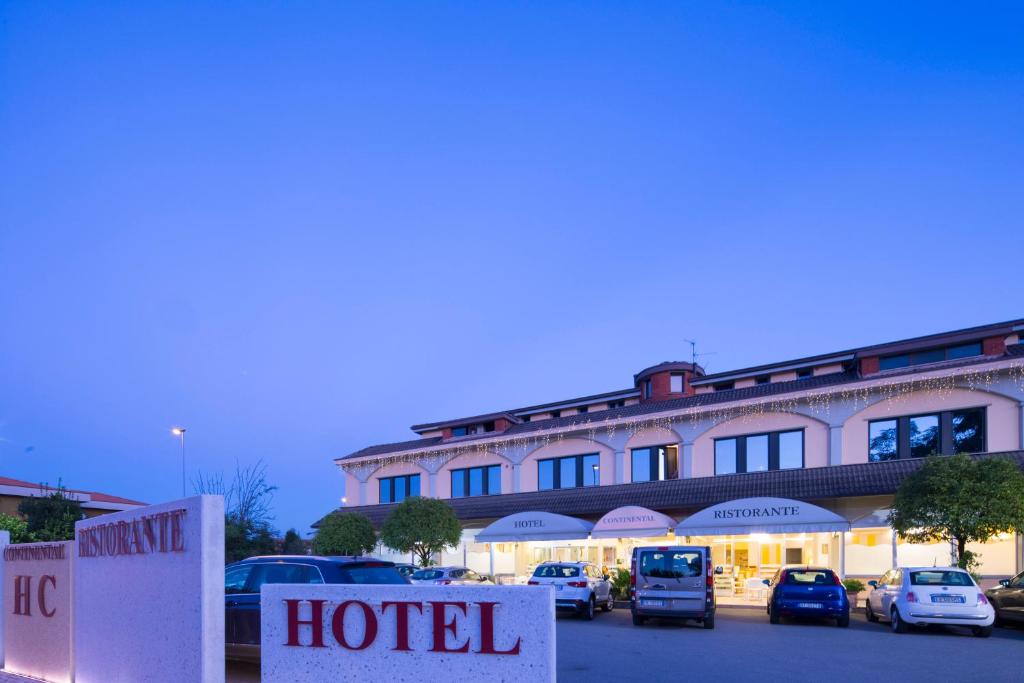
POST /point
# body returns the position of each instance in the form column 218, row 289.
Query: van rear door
column 671, row 579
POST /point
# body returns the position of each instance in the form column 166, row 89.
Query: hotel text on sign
column 415, row 633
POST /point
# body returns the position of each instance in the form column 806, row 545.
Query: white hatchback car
column 910, row 596
column 579, row 586
column 449, row 576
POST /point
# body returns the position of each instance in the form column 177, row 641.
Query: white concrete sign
column 37, row 629
column 5, row 538
column 149, row 594
column 316, row 633
column 761, row 515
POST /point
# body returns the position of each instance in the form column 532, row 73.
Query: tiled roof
column 696, row 401
column 93, row 495
column 685, row 496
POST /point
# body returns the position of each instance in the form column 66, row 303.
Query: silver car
column 674, row 582
column 449, row 576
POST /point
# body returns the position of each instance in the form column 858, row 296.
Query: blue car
column 807, row 592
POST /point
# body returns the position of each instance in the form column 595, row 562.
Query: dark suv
column 243, row 580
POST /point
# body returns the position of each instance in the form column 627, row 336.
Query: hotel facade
column 791, row 462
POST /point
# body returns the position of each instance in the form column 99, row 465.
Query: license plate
column 810, row 605
column 652, row 603
column 947, row 598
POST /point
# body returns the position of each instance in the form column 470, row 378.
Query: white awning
column 761, row 515
column 632, row 521
column 535, row 526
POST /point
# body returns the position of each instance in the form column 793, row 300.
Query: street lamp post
column 180, row 433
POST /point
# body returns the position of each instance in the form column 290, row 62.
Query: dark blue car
column 243, row 580
column 807, row 592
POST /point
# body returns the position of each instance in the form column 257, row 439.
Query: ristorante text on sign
column 162, row 532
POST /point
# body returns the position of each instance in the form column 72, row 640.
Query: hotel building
column 790, row 462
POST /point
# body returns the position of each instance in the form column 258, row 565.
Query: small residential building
column 94, row 503
column 789, row 462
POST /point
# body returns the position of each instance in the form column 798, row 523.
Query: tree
column 52, row 515
column 347, row 533
column 17, row 527
column 293, row 543
column 960, row 500
column 422, row 526
column 248, row 528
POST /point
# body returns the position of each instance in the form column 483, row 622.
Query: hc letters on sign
column 415, row 633
column 38, row 598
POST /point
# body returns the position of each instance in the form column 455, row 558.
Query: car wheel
column 897, row 624
column 870, row 613
column 588, row 611
column 709, row 622
column 843, row 621
column 982, row 631
column 773, row 616
column 638, row 620
column 610, row 605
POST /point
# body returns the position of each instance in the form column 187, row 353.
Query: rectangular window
column 757, row 453
column 476, row 481
column 460, row 431
column 546, row 475
column 655, row 463
column 791, row 450
column 804, row 374
column 924, row 436
column 397, row 489
column 641, row 464
column 647, row 388
column 930, row 356
column 760, row 452
column 968, row 427
column 725, row 456
column 591, row 470
column 612, row 405
column 676, row 384
column 882, row 440
column 919, row 436
column 569, row 472
column 763, row 379
column 724, row 386
column 581, row 410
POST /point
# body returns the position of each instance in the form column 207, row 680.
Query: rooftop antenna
column 693, row 351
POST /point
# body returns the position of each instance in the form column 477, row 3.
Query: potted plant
column 853, row 588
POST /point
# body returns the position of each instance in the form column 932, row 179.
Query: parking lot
column 744, row 646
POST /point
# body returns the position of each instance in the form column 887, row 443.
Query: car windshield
column 939, row 577
column 809, row 577
column 427, row 574
column 556, row 571
column 370, row 574
column 671, row 564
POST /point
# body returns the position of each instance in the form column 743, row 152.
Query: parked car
column 807, row 592
column 406, row 570
column 1008, row 599
column 911, row 596
column 243, row 581
column 579, row 586
column 449, row 576
column 674, row 582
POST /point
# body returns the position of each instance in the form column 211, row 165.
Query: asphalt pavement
column 745, row 647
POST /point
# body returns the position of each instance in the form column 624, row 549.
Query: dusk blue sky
column 298, row 228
